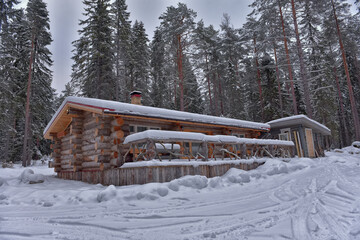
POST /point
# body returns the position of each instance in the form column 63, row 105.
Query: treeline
column 26, row 99
column 290, row 57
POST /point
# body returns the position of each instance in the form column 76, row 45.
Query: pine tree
column 160, row 94
column 231, row 53
column 39, row 92
column 139, row 65
column 92, row 70
column 122, row 47
column 177, row 27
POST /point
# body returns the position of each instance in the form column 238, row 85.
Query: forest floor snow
column 298, row 198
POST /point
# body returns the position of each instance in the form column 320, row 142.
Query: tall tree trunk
column 342, row 110
column 278, row 83
column 221, row 95
column 208, row 82
column 351, row 94
column 288, row 62
column 181, row 75
column 216, row 98
column 303, row 73
column 357, row 69
column 259, row 80
column 26, row 153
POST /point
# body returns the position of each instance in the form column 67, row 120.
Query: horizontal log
column 102, row 138
column 76, row 141
column 77, row 155
column 90, row 165
column 65, row 152
column 117, row 122
column 76, row 131
column 88, row 147
column 75, row 151
column 57, row 169
column 96, row 158
column 105, row 151
column 96, row 152
column 66, row 166
column 65, row 162
column 75, row 162
column 55, row 155
column 89, row 132
column 105, row 132
column 99, row 145
column 117, row 135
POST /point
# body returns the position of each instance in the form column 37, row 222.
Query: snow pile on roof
column 138, row 110
column 171, row 136
column 299, row 119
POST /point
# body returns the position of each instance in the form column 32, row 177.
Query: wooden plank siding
column 143, row 175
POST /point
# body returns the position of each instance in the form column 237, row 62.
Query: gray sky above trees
column 65, row 15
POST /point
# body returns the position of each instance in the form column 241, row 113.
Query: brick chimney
column 135, row 97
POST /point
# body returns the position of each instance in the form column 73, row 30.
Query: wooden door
column 310, row 142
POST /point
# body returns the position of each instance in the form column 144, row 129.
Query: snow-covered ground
column 299, row 199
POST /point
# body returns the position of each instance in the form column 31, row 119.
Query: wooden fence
column 146, row 174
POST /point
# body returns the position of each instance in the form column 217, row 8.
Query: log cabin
column 87, row 134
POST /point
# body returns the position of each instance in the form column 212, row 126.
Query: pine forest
column 290, row 57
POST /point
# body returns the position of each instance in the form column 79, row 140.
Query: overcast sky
column 65, row 15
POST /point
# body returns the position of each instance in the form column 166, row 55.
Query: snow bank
column 3, row 182
column 28, row 176
column 237, row 176
column 356, row 144
column 195, row 182
column 107, row 194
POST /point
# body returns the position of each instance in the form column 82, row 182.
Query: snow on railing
column 155, row 143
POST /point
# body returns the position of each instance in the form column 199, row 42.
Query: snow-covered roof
column 297, row 120
column 113, row 107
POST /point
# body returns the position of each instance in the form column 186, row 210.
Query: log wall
column 142, row 175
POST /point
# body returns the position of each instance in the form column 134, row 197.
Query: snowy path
column 302, row 199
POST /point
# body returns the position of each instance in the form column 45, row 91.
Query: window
column 141, row 128
column 285, row 134
column 136, row 128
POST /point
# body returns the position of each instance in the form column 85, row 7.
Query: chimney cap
column 135, row 93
